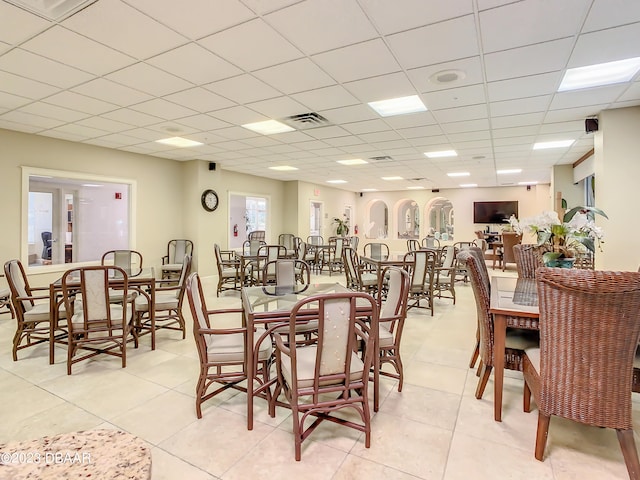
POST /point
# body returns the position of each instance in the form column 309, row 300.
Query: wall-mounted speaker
column 591, row 125
column 528, row 188
column 435, row 190
column 212, row 165
column 360, row 193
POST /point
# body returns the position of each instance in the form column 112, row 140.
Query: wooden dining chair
column 421, row 266
column 228, row 270
column 583, row 368
column 357, row 278
column 484, row 275
column 172, row 261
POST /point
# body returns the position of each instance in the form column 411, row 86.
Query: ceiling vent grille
column 382, row 158
column 306, row 120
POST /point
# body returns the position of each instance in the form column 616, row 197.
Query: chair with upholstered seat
column 509, row 239
column 167, row 306
column 430, row 242
column 31, row 309
column 445, row 275
column 516, row 340
column 266, row 254
column 257, row 235
column 421, row 266
column 287, row 272
column 484, row 275
column 172, row 261
column 46, row 245
column 95, row 324
column 287, row 241
column 413, row 245
column 583, row 369
column 129, row 260
column 358, row 278
column 376, row 250
column 328, row 375
column 332, row 256
column 220, row 340
column 228, row 270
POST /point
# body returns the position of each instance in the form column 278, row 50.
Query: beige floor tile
column 217, row 441
column 18, row 405
column 356, row 467
column 438, row 377
column 165, row 466
column 172, row 372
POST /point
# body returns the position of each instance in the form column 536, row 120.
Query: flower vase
column 560, row 262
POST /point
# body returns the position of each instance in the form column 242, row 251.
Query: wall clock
column 209, row 200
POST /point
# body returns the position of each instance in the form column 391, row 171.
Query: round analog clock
column 209, row 200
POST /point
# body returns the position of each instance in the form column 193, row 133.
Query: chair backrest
column 482, row 297
column 286, row 240
column 93, row 284
column 315, row 240
column 182, row 281
column 376, row 250
column 351, row 261
column 178, row 248
column 251, row 247
column 420, row 264
column 338, row 246
column 528, row 258
column 353, row 242
column 301, row 251
column 283, row 270
column 481, row 243
column 256, row 235
column 462, row 245
column 589, row 332
column 430, row 242
column 129, row 260
column 340, row 331
column 413, row 245
column 509, row 239
column 394, row 308
column 46, row 245
column 216, row 249
column 18, row 285
column 448, row 256
column 268, row 254
column 482, row 265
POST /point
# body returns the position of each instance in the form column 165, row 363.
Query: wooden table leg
column 499, row 335
column 53, row 323
column 248, row 356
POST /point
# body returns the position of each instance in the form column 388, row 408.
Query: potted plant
column 342, row 226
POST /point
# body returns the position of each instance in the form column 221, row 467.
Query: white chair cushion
column 40, row 313
column 385, row 336
column 306, row 358
column 230, row 347
column 163, row 301
column 534, row 357
column 520, row 340
column 116, row 316
column 310, row 326
column 172, row 267
column 229, row 273
column 369, row 279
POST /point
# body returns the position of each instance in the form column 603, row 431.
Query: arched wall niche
column 407, row 214
column 439, row 218
column 377, row 219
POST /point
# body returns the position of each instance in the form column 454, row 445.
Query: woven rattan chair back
column 528, row 259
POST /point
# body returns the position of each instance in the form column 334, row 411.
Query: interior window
column 73, row 218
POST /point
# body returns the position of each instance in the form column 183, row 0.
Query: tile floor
column 434, row 429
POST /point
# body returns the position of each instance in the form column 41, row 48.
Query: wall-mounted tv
column 494, row 212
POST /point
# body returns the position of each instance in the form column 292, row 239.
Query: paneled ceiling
column 122, row 74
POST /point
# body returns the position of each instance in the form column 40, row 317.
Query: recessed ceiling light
column 468, row 185
column 179, row 142
column 369, row 190
column 415, row 188
column 528, row 183
column 391, row 178
column 600, row 74
column 268, row 127
column 336, row 181
column 283, row 168
column 508, row 171
column 458, row 174
column 93, row 185
column 353, row 161
column 398, row 106
column 555, row 144
column 441, row 154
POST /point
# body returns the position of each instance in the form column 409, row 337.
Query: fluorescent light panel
column 398, row 106
column 353, row 161
column 468, row 185
column 600, row 74
column 391, row 178
column 528, row 183
column 555, row 144
column 336, row 181
column 415, row 188
column 284, row 168
column 509, row 171
column 179, row 142
column 369, row 190
column 268, row 127
column 441, row 154
column 458, row 174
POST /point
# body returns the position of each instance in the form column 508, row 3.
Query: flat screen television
column 494, row 212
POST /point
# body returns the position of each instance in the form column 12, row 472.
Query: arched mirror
column 439, row 213
column 408, row 220
column 378, row 226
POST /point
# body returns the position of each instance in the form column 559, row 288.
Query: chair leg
column 484, row 378
column 526, row 398
column 479, row 369
column 541, row 435
column 629, row 452
column 475, row 354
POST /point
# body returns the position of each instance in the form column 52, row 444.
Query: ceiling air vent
column 382, row 158
column 306, row 120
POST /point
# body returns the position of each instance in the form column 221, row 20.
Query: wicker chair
column 413, row 245
column 357, row 278
column 509, row 239
column 528, row 259
column 583, row 369
column 287, row 272
column 228, row 270
column 430, row 242
column 332, row 256
column 516, row 341
column 376, row 250
column 445, row 275
column 172, row 261
column 421, row 265
column 484, row 274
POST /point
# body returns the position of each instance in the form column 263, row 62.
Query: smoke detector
column 444, row 77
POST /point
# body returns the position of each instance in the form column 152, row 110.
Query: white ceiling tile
column 606, row 46
column 19, row 127
column 344, row 141
column 354, row 62
column 278, row 107
column 611, row 13
column 411, row 120
column 266, row 47
column 529, row 86
column 353, row 113
column 511, row 132
column 452, row 97
column 417, row 132
column 329, row 29
column 132, row 117
column 202, row 122
column 163, row 109
column 518, row 24
column 380, row 136
column 18, row 24
column 455, row 39
column 54, row 133
column 569, row 114
column 367, row 126
column 471, row 112
column 138, row 35
column 142, row 134
column 519, row 106
column 382, row 87
column 631, row 94
column 570, row 126
column 292, row 137
column 81, row 103
column 25, row 118
column 171, row 129
column 235, row 133
column 53, row 111
column 261, row 141
column 517, row 120
column 9, row 101
column 120, row 139
column 85, row 132
column 326, row 98
column 202, row 17
column 534, row 59
column 590, row 96
column 199, row 100
column 195, row 64
column 149, row 79
column 327, row 132
column 471, row 69
column 239, row 115
column 111, row 92
column 243, row 89
column 30, row 65
column 105, row 124
column 296, row 76
column 71, row 49
column 391, row 18
column 466, row 126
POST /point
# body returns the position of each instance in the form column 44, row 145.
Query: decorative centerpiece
column 577, row 233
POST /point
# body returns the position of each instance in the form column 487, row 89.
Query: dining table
column 269, row 306
column 513, row 304
column 141, row 280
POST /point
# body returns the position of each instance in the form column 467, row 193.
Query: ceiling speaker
column 212, row 165
column 591, row 125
